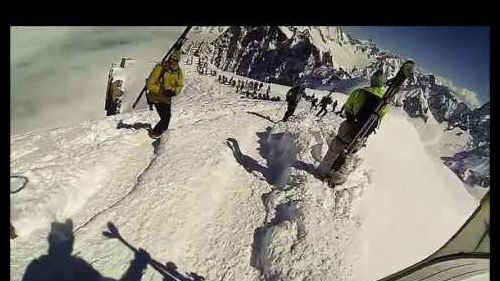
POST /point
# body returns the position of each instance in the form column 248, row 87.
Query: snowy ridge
column 327, row 58
column 250, row 211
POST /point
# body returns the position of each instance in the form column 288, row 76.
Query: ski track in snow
column 253, row 214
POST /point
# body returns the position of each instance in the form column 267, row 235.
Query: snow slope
column 424, row 203
column 247, row 208
column 329, row 58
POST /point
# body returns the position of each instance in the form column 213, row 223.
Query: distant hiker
column 220, row 78
column 334, row 106
column 165, row 81
column 314, row 103
column 268, row 90
column 293, row 97
column 358, row 108
column 325, row 101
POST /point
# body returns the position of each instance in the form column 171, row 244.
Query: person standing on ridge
column 336, row 165
column 165, row 81
column 325, row 101
column 293, row 97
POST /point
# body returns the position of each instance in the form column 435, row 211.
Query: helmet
column 176, row 55
column 378, row 78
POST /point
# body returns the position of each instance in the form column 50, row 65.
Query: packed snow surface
column 228, row 194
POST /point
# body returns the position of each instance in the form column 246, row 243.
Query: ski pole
column 113, row 233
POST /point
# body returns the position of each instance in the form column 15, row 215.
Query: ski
column 177, row 45
column 395, row 84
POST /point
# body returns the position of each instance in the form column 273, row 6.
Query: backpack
column 367, row 108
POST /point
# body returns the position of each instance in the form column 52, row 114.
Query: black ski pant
column 335, row 156
column 289, row 111
column 163, row 110
column 323, row 109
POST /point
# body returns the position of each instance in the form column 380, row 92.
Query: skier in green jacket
column 336, row 164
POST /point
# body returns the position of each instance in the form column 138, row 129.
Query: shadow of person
column 60, row 265
column 246, row 161
column 278, row 160
column 135, row 126
column 280, row 152
column 143, row 258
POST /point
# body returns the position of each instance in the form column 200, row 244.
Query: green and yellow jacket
column 361, row 97
column 171, row 82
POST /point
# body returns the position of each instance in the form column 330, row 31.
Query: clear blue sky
column 461, row 54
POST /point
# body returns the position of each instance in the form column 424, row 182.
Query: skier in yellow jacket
column 336, row 165
column 165, row 81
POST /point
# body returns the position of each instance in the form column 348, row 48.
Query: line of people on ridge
column 251, row 89
column 166, row 81
column 295, row 94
